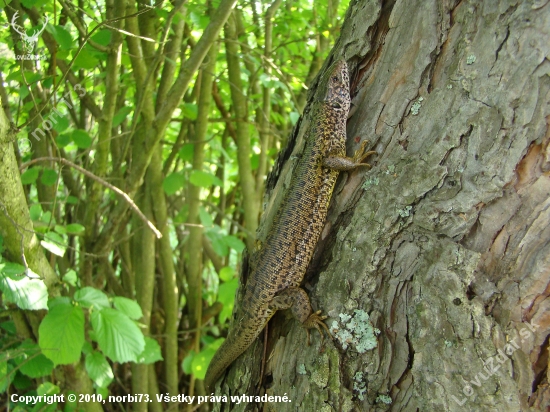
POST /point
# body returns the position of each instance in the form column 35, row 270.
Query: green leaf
column 122, row 114
column 234, row 243
column 62, row 37
column 254, row 161
column 75, row 229
column 49, row 177
column 151, row 353
column 26, row 293
column 118, row 336
column 48, row 388
column 35, row 211
column 85, row 60
column 186, row 152
column 29, row 176
column 37, row 367
column 9, row 326
column 28, row 3
column 61, row 125
column 6, row 375
column 89, row 296
column 54, row 243
column 190, row 110
column 200, row 363
column 226, row 295
column 172, row 183
column 81, row 138
column 102, row 37
column 12, row 269
column 294, row 116
column 200, row 20
column 219, row 246
column 22, row 382
column 128, row 306
column 61, row 334
column 87, row 348
column 104, row 392
column 187, row 361
column 99, row 369
column 70, row 277
column 24, row 92
column 201, row 360
column 63, row 139
column 47, row 218
column 60, row 229
column 205, row 217
column 204, row 179
column 60, row 300
column 227, row 273
column 31, row 362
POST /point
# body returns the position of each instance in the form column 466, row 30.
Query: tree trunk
column 444, row 243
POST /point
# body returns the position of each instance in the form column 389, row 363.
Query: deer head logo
column 28, row 41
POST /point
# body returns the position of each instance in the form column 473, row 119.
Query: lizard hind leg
column 297, row 300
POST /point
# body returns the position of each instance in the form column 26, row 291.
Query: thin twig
column 115, row 189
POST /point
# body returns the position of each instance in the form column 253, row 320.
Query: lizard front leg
column 344, row 163
column 297, row 300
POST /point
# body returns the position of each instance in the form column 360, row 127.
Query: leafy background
column 106, row 108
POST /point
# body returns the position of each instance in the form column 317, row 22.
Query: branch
column 89, row 174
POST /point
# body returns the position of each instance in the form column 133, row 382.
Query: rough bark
column 445, row 241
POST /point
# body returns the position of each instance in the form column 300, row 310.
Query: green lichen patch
column 383, row 399
column 359, row 385
column 301, row 369
column 415, row 108
column 405, row 212
column 371, row 182
column 355, row 331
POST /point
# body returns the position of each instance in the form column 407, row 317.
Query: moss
column 321, row 373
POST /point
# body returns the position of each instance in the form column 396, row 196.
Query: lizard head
column 334, row 86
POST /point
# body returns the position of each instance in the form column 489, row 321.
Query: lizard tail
column 230, row 350
column 218, row 364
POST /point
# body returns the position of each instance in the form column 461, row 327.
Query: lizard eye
column 335, row 105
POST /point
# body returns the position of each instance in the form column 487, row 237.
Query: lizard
column 281, row 263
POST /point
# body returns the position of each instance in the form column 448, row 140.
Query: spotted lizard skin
column 281, row 262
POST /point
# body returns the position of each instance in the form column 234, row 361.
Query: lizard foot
column 315, row 320
column 344, row 163
column 361, row 155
